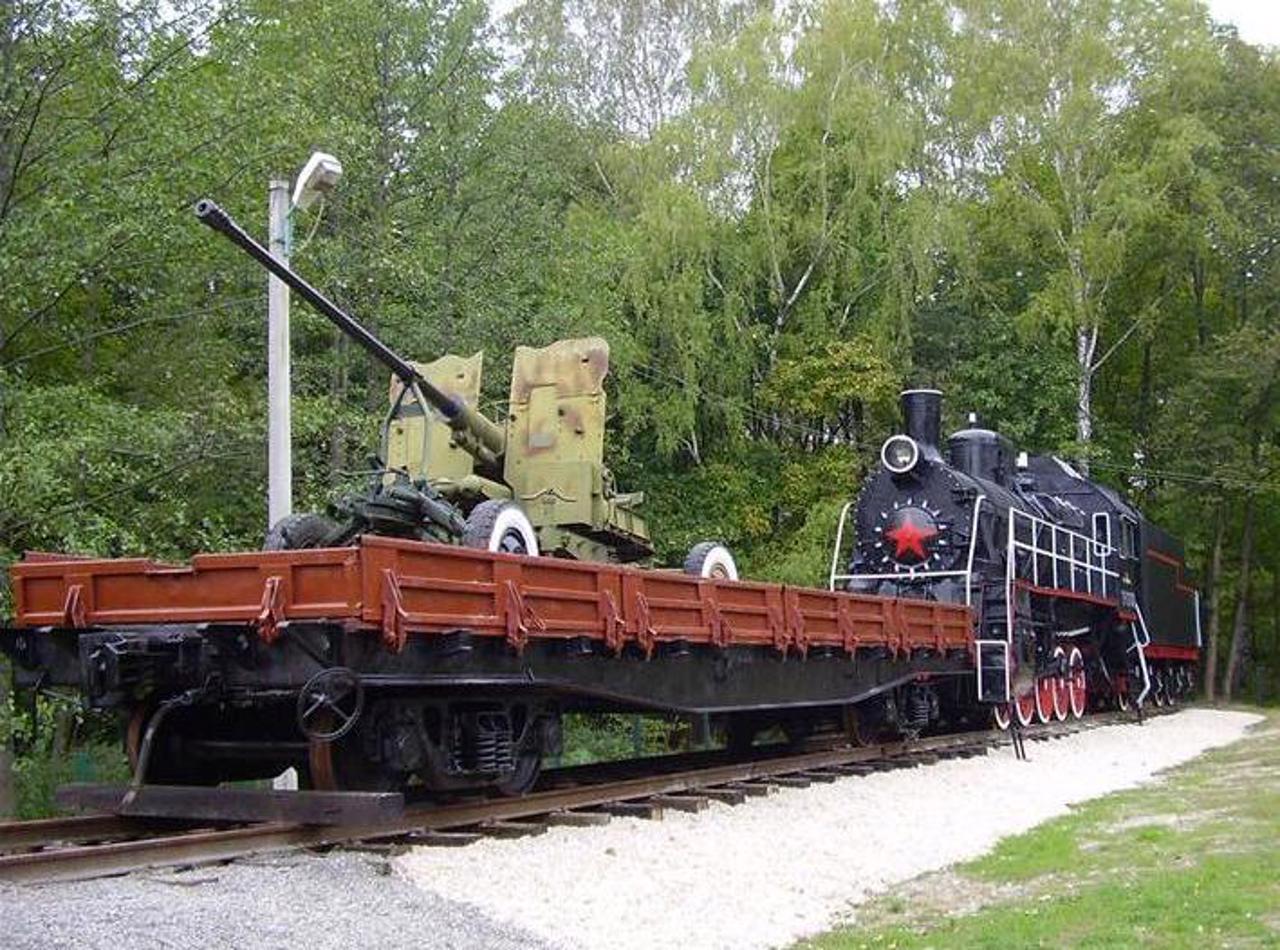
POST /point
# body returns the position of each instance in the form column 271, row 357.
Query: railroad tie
column 791, row 781
column 645, row 809
column 726, row 796
column 821, row 775
column 758, row 789
column 577, row 819
column 443, row 839
column 512, row 829
column 689, row 803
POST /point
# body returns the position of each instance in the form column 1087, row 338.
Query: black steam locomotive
column 1078, row 599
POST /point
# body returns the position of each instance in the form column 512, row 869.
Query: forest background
column 1063, row 214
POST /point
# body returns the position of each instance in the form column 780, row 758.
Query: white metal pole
column 279, row 434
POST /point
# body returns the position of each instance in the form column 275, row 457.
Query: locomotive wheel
column 1024, row 707
column 740, row 733
column 711, row 559
column 1061, row 689
column 1000, row 715
column 1044, row 699
column 1158, row 689
column 528, row 768
column 133, row 735
column 340, row 766
column 169, row 763
column 859, row 726
column 1077, row 684
column 1122, row 697
column 500, row 526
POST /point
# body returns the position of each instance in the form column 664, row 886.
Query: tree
column 1046, row 92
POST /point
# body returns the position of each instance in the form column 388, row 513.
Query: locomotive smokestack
column 922, row 417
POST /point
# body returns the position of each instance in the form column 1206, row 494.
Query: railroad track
column 88, row 846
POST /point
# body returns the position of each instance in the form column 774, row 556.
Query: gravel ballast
column 295, row 901
column 772, row 870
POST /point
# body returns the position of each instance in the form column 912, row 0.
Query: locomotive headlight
column 899, row 454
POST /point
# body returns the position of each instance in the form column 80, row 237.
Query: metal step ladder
column 1141, row 640
column 994, row 654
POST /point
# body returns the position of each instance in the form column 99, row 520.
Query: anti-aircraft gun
column 535, row 483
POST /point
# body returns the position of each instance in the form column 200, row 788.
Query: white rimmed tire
column 1077, row 682
column 1061, row 688
column 1024, row 707
column 500, row 526
column 1044, row 700
column 711, row 559
column 1000, row 715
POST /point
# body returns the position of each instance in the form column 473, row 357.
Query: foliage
column 58, row 742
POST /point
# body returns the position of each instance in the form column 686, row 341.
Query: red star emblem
column 909, row 538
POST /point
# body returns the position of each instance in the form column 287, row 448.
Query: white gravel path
column 772, row 870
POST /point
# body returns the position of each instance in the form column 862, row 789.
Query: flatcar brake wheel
column 330, row 704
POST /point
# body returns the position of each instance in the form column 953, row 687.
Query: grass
column 1191, row 861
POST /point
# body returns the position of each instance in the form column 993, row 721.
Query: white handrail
column 1094, row 562
column 835, row 555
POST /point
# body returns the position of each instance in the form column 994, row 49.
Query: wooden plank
column 234, row 804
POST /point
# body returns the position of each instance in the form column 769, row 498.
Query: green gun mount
column 453, row 474
column 551, row 462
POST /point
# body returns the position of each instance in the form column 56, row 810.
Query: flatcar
column 1078, row 599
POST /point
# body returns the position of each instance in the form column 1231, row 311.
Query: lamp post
column 318, row 175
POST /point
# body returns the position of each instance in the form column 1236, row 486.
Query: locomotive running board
column 234, row 804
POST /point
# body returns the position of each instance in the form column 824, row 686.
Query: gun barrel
column 489, row 439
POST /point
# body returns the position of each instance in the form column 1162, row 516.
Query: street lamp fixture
column 318, row 176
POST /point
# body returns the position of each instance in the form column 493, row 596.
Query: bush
column 606, row 738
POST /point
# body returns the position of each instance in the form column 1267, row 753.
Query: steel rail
column 43, row 832
column 213, row 846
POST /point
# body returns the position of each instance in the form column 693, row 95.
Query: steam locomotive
column 1078, row 599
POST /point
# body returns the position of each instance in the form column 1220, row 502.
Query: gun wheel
column 711, row 559
column 295, row 532
column 500, row 526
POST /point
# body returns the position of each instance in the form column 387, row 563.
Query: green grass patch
column 1189, row 861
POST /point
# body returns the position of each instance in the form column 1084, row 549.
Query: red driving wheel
column 1061, row 689
column 1044, row 699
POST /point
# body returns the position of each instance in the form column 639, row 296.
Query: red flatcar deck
column 409, row 588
